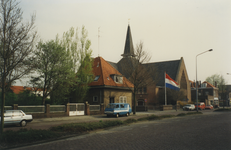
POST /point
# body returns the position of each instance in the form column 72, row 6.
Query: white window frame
column 117, row 78
column 123, row 99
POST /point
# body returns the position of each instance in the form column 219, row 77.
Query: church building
column 148, row 95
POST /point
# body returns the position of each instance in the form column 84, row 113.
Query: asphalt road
column 208, row 131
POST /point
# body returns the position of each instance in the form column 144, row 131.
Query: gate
column 76, row 109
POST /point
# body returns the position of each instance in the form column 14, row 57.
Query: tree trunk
column 134, row 102
column 3, row 98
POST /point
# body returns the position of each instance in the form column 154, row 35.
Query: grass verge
column 223, row 109
column 23, row 136
column 26, row 136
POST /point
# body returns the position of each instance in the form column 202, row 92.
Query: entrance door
column 111, row 100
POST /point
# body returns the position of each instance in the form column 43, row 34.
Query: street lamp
column 196, row 77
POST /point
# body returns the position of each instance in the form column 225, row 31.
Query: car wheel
column 117, row 115
column 23, row 123
column 108, row 115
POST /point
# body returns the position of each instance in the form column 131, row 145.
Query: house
column 148, row 95
column 228, row 94
column 109, row 85
column 20, row 89
column 207, row 93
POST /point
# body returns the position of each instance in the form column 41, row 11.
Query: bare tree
column 16, row 46
column 138, row 74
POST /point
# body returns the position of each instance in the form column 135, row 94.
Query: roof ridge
column 162, row 61
column 209, row 84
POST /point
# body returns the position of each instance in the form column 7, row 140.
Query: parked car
column 189, row 107
column 209, row 107
column 16, row 117
column 200, row 106
column 118, row 109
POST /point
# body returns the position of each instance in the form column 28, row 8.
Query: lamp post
column 196, row 77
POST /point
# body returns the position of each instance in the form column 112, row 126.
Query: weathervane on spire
column 129, row 21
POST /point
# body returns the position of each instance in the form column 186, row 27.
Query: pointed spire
column 128, row 48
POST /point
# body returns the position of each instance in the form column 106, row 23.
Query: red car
column 209, row 107
column 200, row 105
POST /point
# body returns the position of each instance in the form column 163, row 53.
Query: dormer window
column 96, row 78
column 117, row 78
column 204, row 85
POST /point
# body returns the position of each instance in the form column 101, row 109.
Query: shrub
column 83, row 127
column 152, row 117
column 128, row 121
column 194, row 113
column 167, row 116
column 189, row 113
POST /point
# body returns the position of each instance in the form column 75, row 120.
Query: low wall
column 165, row 107
column 141, row 108
column 50, row 115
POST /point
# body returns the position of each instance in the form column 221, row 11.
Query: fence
column 32, row 109
column 8, row 107
column 94, row 107
column 42, row 111
column 57, row 108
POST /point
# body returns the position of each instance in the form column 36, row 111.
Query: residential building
column 207, row 93
column 109, row 85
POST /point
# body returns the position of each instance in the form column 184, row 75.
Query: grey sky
column 170, row 29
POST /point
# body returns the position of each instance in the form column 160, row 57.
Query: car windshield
column 111, row 106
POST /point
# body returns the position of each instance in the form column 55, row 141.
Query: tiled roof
column 18, row 89
column 209, row 84
column 192, row 84
column 170, row 67
column 104, row 70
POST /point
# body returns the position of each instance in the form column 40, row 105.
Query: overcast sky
column 169, row 29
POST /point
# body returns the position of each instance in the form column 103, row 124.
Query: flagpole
column 165, row 88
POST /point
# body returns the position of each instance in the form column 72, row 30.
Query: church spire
column 128, row 48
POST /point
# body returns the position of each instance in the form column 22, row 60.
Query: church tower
column 128, row 48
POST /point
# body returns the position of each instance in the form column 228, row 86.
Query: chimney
column 215, row 84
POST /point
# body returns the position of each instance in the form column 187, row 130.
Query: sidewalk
column 90, row 118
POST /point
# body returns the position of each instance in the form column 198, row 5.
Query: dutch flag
column 170, row 83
